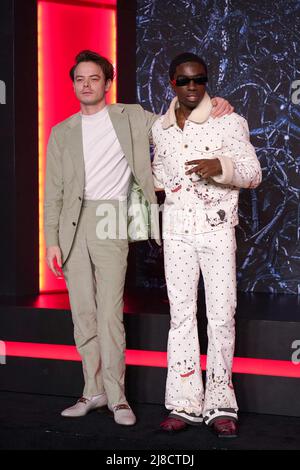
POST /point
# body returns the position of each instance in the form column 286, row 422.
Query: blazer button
column 79, row 198
column 74, row 223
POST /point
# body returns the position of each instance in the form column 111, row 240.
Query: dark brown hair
column 90, row 56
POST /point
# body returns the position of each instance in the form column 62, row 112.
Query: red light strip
column 136, row 357
column 86, row 3
column 95, row 23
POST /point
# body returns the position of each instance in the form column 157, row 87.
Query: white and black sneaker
column 189, row 418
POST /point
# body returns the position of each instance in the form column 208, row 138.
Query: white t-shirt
column 107, row 173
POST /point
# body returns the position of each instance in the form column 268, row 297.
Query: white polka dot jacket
column 194, row 204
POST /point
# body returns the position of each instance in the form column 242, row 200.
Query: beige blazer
column 65, row 175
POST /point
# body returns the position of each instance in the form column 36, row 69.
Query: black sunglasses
column 183, row 81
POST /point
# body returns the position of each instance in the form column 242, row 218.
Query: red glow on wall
column 64, row 28
column 134, row 357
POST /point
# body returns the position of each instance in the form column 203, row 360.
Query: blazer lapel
column 75, row 146
column 120, row 123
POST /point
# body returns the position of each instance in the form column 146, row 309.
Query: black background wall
column 252, row 48
column 19, row 149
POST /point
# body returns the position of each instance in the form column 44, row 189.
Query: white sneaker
column 123, row 414
column 84, row 405
column 189, row 418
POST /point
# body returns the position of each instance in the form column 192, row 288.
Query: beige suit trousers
column 95, row 275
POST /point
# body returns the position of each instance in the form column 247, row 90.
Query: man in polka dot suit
column 200, row 163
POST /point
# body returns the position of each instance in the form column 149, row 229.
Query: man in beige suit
column 94, row 159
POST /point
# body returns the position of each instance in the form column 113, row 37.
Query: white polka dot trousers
column 213, row 254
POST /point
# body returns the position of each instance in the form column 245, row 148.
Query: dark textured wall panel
column 253, row 52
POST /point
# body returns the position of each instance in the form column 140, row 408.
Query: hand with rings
column 205, row 168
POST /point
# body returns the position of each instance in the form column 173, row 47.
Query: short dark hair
column 181, row 59
column 91, row 56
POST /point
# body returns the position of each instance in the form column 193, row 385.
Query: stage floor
column 34, row 422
